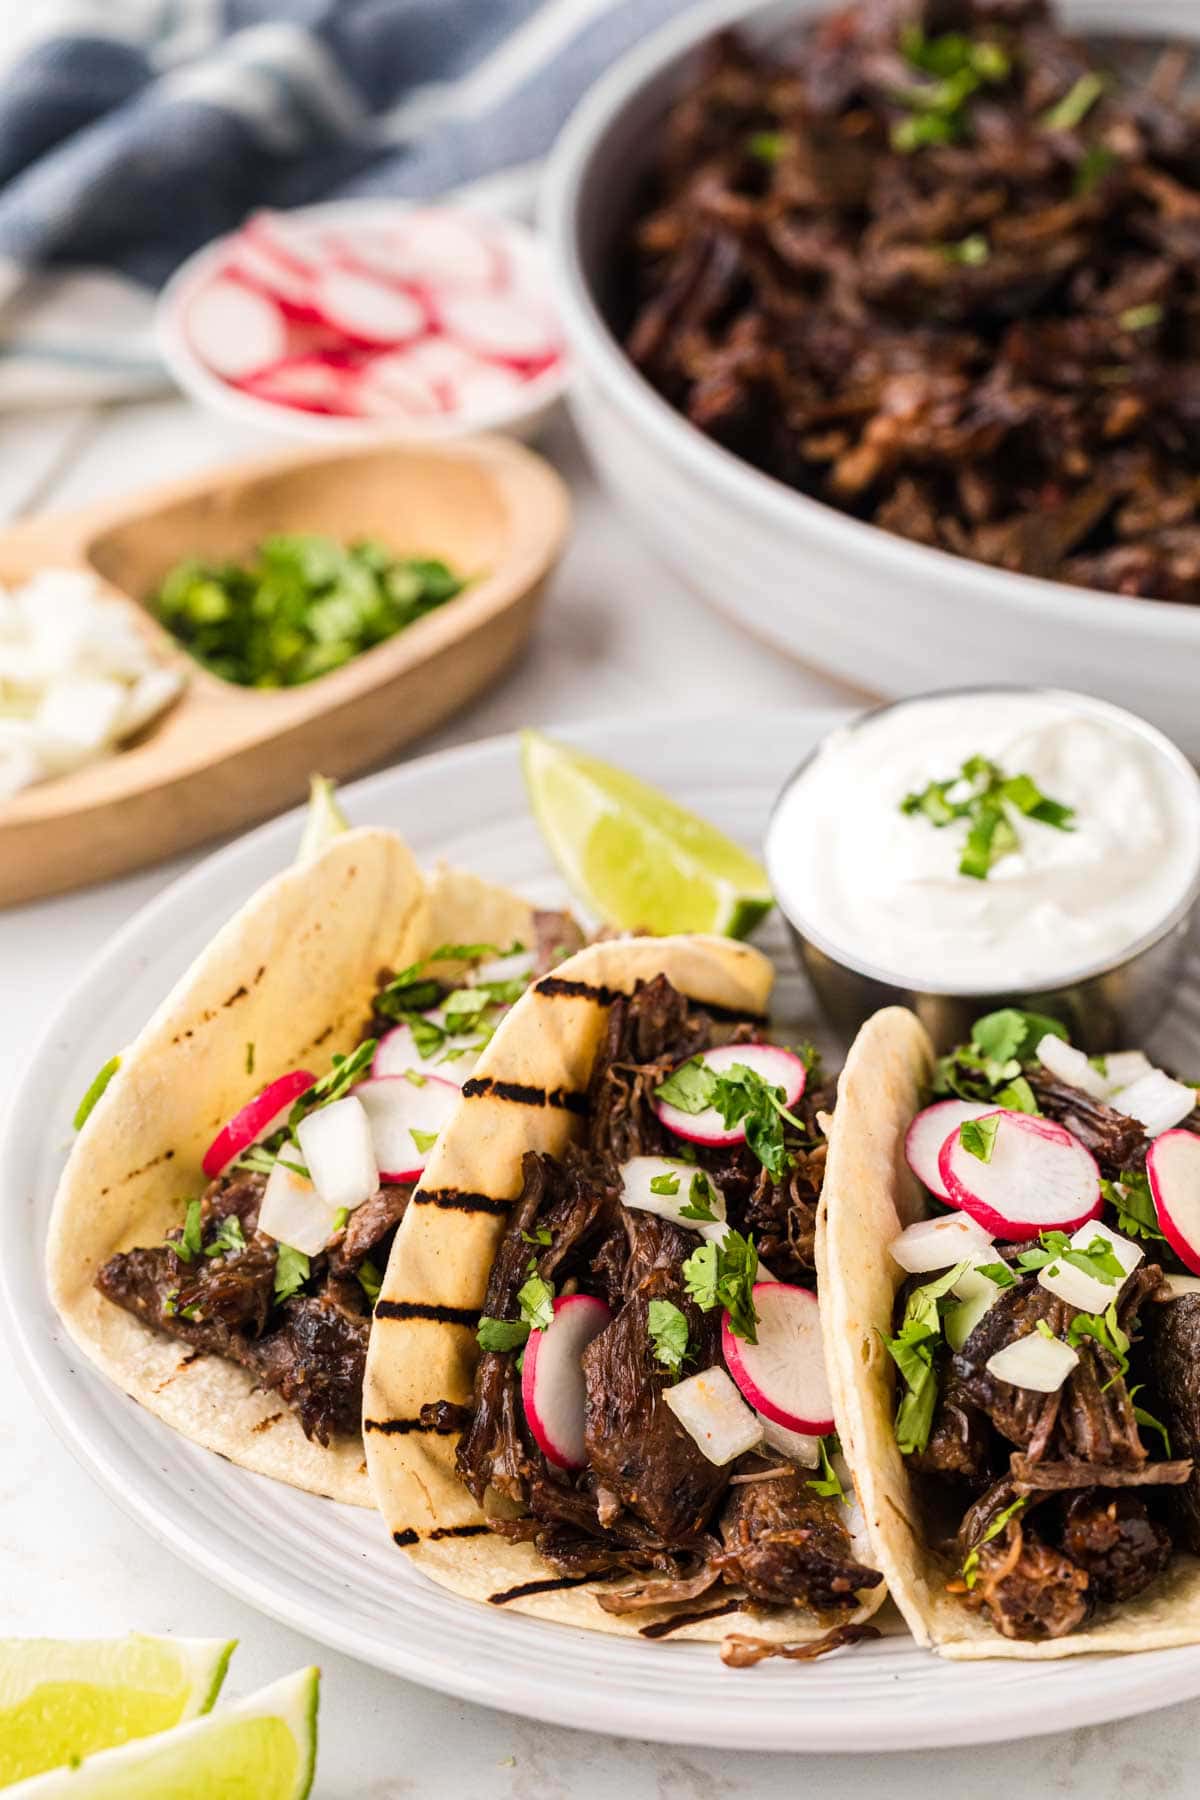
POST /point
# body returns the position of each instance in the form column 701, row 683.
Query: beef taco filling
column 633, row 1342
column 277, row 1265
column 1045, row 1335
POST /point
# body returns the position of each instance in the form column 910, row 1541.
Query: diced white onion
column 797, row 1445
column 1088, row 1292
column 976, row 1294
column 1181, row 1285
column 636, row 1191
column 338, row 1152
column 1072, row 1066
column 1156, row 1101
column 1122, row 1068
column 714, row 1415
column 939, row 1243
column 1039, row 1363
column 292, row 1211
column 516, row 966
column 80, row 711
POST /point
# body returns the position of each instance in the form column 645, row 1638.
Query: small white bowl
column 886, row 615
column 522, row 417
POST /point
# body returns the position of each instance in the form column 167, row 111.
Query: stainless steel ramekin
column 1116, row 1003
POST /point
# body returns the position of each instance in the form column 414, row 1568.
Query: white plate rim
column 979, row 1703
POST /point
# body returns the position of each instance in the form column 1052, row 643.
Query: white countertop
column 73, row 1564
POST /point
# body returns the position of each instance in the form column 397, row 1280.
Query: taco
column 549, row 1416
column 1011, row 1338
column 188, row 1255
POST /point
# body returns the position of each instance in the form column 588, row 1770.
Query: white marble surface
column 618, row 636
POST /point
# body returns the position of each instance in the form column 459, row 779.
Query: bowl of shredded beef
column 887, row 321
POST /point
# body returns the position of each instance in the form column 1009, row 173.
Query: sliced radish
column 234, row 330
column 714, row 1415
column 367, row 310
column 1155, row 1101
column 1173, row 1166
column 336, row 1144
column 1076, row 1286
column 309, row 383
column 453, row 1060
column 929, row 1131
column 783, row 1374
column 1072, row 1066
column 1122, row 1068
column 553, row 1391
column 256, row 1121
column 447, row 249
column 387, row 388
column 637, row 1191
column 779, row 1068
column 514, row 330
column 1036, row 1362
column 1039, row 1178
column 799, row 1446
column 939, row 1243
column 293, row 1212
column 256, row 264
column 405, row 1112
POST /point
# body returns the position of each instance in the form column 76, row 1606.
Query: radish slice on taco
column 552, row 1424
column 236, row 1303
column 1024, row 1420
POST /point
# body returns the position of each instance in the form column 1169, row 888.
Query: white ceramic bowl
column 887, row 615
column 522, row 417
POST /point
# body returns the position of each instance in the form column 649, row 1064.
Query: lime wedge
column 61, row 1699
column 631, row 855
column 264, row 1748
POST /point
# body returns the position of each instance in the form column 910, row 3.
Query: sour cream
column 881, row 890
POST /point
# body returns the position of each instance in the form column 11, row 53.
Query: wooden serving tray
column 226, row 755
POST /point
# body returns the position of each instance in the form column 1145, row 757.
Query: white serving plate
column 876, row 610
column 331, row 1571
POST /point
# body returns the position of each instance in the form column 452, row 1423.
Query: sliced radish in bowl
column 406, row 1114
column 939, row 1243
column 1173, row 1166
column 369, row 311
column 235, row 330
column 336, row 1144
column 779, row 1068
column 783, row 1375
column 553, row 1391
column 929, row 1131
column 258, row 1119
column 1038, row 1178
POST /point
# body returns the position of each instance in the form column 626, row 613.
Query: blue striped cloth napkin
column 132, row 131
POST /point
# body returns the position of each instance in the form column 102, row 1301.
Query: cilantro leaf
column 424, row 1140
column 970, row 1566
column 543, row 1235
column 999, row 1272
column 370, row 1280
column 501, row 1334
column 1052, row 1244
column 1098, row 1260
column 1018, row 1097
column 343, row 1073
column 978, row 1137
column 190, row 1240
column 1137, row 1215
column 668, row 1329
column 912, row 1351
column 664, row 1184
column 536, row 1300
column 229, row 1238
column 689, row 1087
column 1150, row 1422
column 828, row 1485
column 724, row 1275
column 980, row 792
column 1105, row 1329
column 1011, row 1034
column 700, row 1199
column 99, row 1082
column 291, row 1271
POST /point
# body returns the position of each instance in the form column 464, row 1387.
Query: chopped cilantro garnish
column 664, row 1184
column 229, row 1238
column 1140, row 318
column 1134, row 1204
column 1076, row 103
column 1017, row 1096
column 415, row 1078
column 291, row 1271
column 980, row 793
column 828, row 1485
column 1150, row 1422
column 999, row 1272
column 424, row 1140
column 767, row 146
column 536, row 1300
column 543, row 1235
column 1106, row 1331
column 668, row 1329
column 742, row 1097
column 341, row 1218
column 299, row 607
column 1051, row 1244
column 912, row 1351
column 978, row 1137
column 1093, row 166
column 1043, row 1330
column 972, row 251
column 689, row 1087
column 1097, row 1259
column 99, row 1082
column 190, row 1240
column 970, row 1566
column 370, row 1280
column 700, row 1200
column 960, row 65
column 501, row 1334
column 990, row 1065
column 724, row 1275
column 342, row 1075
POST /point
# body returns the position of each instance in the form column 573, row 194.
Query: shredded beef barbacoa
column 649, row 1504
column 920, row 263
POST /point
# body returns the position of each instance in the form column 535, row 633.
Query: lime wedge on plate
column 61, row 1699
column 264, row 1748
column 631, row 855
